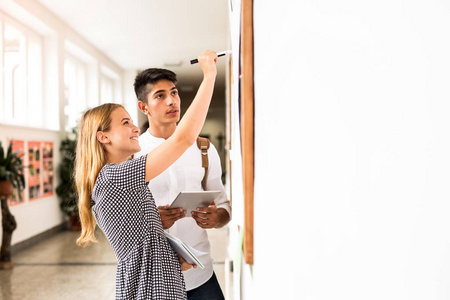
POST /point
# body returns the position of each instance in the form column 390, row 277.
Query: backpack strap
column 203, row 145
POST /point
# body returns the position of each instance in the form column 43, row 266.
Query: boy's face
column 163, row 103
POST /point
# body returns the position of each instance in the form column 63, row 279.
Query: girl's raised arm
column 160, row 158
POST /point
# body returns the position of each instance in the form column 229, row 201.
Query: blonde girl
column 113, row 191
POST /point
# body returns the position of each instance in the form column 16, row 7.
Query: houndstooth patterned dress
column 125, row 210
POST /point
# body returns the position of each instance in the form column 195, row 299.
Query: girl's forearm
column 194, row 118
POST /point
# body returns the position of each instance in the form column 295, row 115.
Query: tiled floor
column 58, row 269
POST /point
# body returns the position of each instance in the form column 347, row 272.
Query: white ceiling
column 139, row 34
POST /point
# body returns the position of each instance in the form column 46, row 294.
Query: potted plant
column 11, row 178
column 66, row 190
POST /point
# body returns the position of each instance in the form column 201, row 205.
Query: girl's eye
column 174, row 93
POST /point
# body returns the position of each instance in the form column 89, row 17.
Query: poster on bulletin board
column 47, row 168
column 18, row 145
column 35, row 168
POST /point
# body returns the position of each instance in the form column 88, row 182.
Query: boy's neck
column 162, row 131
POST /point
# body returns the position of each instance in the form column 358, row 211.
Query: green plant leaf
column 11, row 168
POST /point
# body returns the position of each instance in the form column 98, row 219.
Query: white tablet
column 191, row 200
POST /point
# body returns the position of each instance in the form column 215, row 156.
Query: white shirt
column 186, row 174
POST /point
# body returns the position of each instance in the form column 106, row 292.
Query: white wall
column 37, row 216
column 352, row 150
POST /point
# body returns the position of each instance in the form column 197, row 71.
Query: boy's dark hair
column 144, row 80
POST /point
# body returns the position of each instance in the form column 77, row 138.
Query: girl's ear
column 102, row 137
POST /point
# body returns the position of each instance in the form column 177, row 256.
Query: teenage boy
column 159, row 100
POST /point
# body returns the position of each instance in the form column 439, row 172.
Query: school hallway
column 56, row 268
column 330, row 118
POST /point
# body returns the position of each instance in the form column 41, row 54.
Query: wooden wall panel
column 247, row 124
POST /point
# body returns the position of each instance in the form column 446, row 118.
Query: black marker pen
column 194, row 61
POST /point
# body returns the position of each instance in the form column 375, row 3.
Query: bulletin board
column 41, row 169
column 37, row 159
column 34, row 170
column 48, row 173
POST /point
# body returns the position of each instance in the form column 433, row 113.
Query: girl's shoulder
column 126, row 166
column 127, row 175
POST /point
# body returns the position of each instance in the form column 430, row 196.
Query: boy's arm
column 211, row 217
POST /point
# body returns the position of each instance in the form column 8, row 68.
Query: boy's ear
column 102, row 137
column 143, row 107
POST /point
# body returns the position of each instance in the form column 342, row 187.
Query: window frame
column 30, row 36
column 81, row 107
column 113, row 78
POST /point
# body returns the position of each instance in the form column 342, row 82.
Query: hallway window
column 21, row 99
column 110, row 91
column 35, row 83
column 75, row 91
column 107, row 91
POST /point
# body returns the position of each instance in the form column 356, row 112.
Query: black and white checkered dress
column 125, row 210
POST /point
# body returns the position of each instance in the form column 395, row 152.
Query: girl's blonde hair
column 90, row 159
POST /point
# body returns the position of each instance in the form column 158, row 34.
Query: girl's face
column 121, row 140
